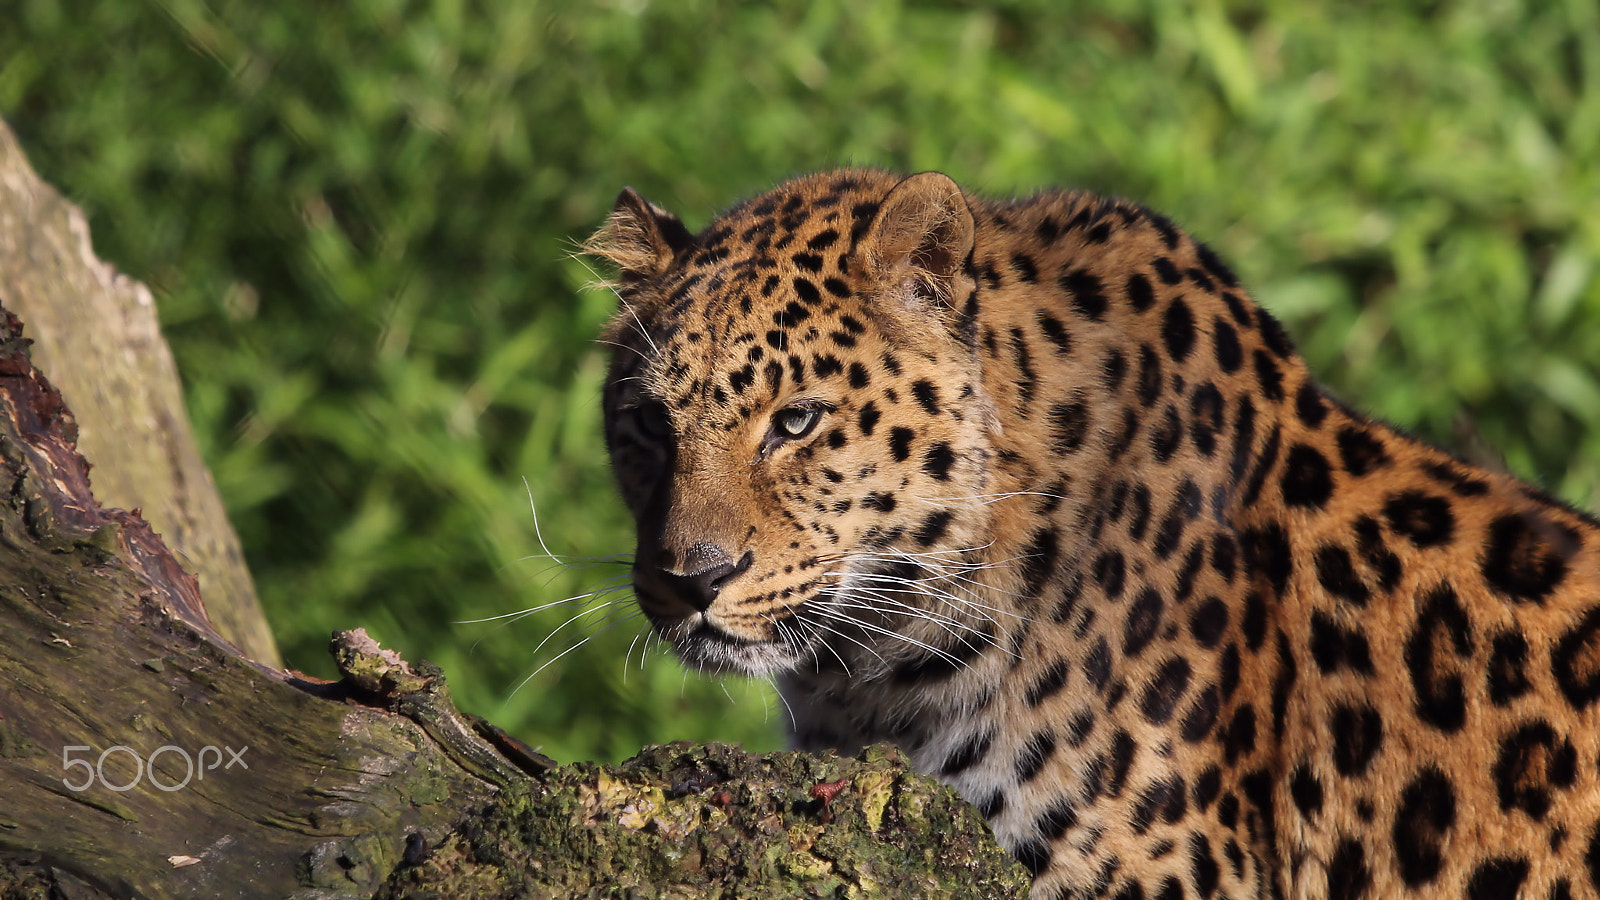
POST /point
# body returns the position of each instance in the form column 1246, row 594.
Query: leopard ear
column 922, row 238
column 639, row 238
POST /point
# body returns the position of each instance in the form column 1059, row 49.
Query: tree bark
column 107, row 657
column 144, row 754
column 96, row 337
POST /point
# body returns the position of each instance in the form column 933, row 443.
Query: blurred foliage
column 359, row 219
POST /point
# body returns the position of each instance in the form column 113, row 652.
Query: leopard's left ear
column 639, row 238
column 921, row 238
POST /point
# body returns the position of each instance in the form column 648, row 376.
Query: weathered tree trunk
column 136, row 738
column 97, row 339
column 143, row 754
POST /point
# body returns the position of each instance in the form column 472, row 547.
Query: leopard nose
column 709, row 568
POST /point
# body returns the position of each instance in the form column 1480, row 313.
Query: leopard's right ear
column 922, row 239
column 639, row 238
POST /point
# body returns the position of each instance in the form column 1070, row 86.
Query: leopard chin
column 704, row 647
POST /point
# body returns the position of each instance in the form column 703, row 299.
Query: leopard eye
column 653, row 421
column 792, row 423
column 795, row 422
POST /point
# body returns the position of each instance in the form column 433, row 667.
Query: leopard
column 1034, row 490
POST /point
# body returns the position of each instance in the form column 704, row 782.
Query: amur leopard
column 1033, row 490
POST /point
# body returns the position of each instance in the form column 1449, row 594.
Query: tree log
column 143, row 754
column 96, row 337
column 107, row 658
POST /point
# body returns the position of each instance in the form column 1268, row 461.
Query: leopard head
column 796, row 419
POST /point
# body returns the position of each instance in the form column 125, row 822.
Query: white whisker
column 886, row 632
column 538, row 534
column 620, row 346
column 837, row 633
column 794, row 721
column 558, row 656
column 626, row 657
column 974, row 500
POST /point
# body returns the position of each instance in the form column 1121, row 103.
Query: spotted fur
column 1034, row 490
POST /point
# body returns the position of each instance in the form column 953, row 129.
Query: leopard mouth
column 705, row 639
column 858, row 608
column 705, row 646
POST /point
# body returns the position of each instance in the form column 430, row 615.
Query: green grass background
column 358, row 217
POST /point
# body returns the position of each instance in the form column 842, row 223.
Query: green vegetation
column 359, row 219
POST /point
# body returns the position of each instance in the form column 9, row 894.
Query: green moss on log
column 710, row 821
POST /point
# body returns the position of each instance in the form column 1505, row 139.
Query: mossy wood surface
column 707, row 821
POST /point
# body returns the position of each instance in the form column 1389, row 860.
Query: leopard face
column 756, row 412
column 1034, row 490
